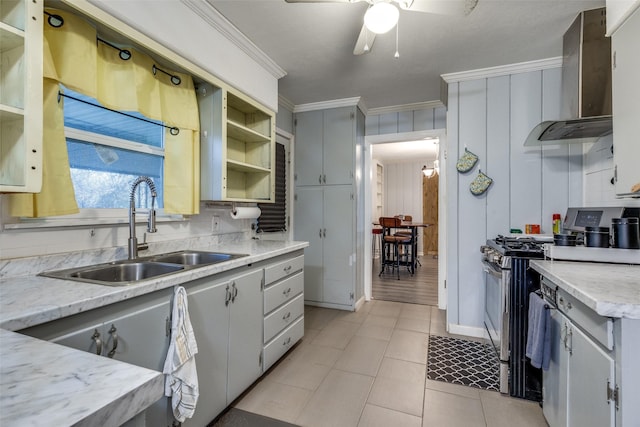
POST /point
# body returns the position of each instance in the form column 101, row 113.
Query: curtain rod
column 172, row 129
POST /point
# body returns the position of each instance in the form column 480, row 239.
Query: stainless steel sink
column 126, row 272
column 130, row 272
column 195, row 257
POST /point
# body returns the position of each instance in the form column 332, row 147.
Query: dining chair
column 413, row 245
column 390, row 245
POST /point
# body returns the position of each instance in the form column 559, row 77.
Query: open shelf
column 240, row 132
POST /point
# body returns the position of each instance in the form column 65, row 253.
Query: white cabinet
column 237, row 147
column 283, row 307
column 617, row 12
column 136, row 331
column 227, row 319
column 626, row 109
column 21, row 24
column 325, row 146
column 325, row 217
column 328, row 148
column 582, row 368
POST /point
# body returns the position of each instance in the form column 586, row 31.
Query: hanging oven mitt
column 467, row 161
column 480, row 184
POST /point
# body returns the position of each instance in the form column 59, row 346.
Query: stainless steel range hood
column 586, row 85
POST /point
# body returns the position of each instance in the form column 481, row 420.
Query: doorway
column 426, row 286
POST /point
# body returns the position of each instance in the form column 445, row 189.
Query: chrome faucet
column 151, row 222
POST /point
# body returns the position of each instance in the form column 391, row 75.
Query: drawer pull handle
column 287, row 341
column 286, row 292
column 286, row 316
column 96, row 339
column 114, row 335
column 287, row 269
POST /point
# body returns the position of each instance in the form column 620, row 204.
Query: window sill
column 28, row 223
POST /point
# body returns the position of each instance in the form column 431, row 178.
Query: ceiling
column 313, row 43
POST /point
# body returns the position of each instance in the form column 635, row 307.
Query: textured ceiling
column 313, row 43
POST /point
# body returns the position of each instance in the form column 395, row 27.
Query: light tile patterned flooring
column 368, row 368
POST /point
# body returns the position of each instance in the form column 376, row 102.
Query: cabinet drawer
column 282, row 292
column 283, row 269
column 283, row 317
column 283, row 342
column 599, row 327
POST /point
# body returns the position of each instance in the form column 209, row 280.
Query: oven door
column 494, row 303
column 496, row 316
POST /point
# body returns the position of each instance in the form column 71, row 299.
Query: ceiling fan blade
column 364, row 42
column 440, row 7
column 322, row 1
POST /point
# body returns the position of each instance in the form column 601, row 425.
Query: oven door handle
column 491, row 271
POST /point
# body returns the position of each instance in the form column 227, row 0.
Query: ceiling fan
column 382, row 15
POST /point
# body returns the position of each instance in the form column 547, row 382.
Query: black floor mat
column 239, row 418
column 458, row 361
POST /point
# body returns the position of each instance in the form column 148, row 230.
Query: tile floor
column 368, row 368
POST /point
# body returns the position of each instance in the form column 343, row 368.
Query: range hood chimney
column 586, row 85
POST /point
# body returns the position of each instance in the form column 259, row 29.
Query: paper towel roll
column 242, row 213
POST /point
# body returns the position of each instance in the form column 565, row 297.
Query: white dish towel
column 181, row 378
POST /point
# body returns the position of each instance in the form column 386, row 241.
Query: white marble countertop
column 43, row 384
column 611, row 290
column 32, row 300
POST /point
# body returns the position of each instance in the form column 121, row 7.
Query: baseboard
column 470, row 331
column 328, row 305
column 360, row 303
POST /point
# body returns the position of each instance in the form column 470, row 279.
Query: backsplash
column 28, row 251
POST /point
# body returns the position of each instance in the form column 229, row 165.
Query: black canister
column 596, row 237
column 626, row 233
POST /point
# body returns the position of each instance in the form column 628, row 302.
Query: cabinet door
column 210, row 320
column 308, row 226
column 143, row 340
column 626, row 110
column 339, row 145
column 554, row 380
column 338, row 245
column 308, row 153
column 590, row 369
column 245, row 333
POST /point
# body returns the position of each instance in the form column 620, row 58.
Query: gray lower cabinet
column 226, row 315
column 283, row 308
column 578, row 387
column 134, row 331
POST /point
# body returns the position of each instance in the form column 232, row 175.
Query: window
column 108, row 150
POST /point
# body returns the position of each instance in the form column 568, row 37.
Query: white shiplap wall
column 492, row 117
column 419, row 119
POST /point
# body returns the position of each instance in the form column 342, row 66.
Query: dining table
column 413, row 226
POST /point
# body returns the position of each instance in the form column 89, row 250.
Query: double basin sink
column 129, row 272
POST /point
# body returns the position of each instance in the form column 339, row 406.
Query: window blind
column 274, row 215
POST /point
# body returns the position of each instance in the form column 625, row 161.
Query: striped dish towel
column 181, row 378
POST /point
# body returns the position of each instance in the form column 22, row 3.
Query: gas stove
column 500, row 250
column 518, row 246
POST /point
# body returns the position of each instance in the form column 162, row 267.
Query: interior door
column 339, row 240
column 308, row 227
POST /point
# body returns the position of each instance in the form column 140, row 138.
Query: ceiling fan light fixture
column 381, row 17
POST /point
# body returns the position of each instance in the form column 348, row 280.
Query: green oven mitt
column 480, row 183
column 467, row 161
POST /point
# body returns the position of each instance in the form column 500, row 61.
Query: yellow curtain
column 74, row 58
column 57, row 196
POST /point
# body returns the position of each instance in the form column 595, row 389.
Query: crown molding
column 221, row 24
column 503, row 70
column 429, row 105
column 286, row 103
column 323, row 105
